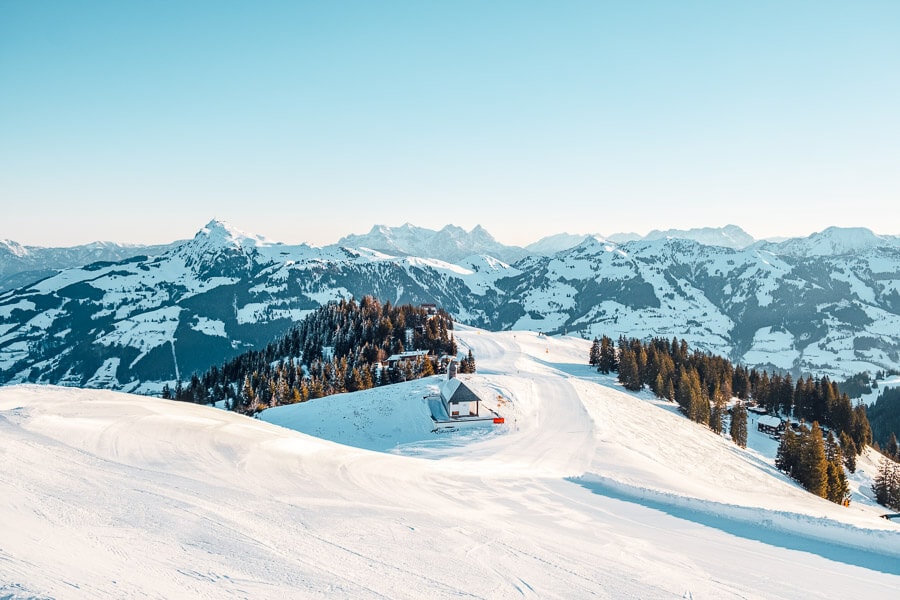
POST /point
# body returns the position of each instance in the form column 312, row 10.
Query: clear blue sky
column 140, row 121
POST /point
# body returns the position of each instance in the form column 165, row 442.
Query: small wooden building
column 770, row 424
column 395, row 360
column 459, row 400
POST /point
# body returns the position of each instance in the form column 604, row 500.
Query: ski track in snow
column 586, row 492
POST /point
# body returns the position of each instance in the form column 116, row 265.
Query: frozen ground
column 586, row 492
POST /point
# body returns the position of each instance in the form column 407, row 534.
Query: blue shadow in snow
column 759, row 532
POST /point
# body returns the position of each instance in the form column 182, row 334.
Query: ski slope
column 585, row 492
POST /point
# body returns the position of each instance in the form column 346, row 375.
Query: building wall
column 462, row 407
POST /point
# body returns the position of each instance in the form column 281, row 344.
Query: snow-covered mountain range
column 450, row 244
column 21, row 265
column 826, row 304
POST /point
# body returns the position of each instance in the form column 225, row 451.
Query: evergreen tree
column 699, row 408
column 594, row 356
column 427, row 368
column 691, row 397
column 629, row 372
column 813, row 474
column 607, row 359
column 849, row 451
column 837, row 489
column 861, row 432
column 716, row 416
column 740, row 383
column 886, row 484
column 248, row 396
column 787, row 458
column 891, row 448
column 738, row 429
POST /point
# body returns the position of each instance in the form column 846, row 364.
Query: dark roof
column 459, row 392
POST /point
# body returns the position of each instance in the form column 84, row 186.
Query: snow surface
column 585, row 492
column 211, row 327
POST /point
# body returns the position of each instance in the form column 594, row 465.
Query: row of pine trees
column 339, row 347
column 703, row 384
column 816, row 463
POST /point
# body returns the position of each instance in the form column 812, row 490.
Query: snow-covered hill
column 139, row 323
column 585, row 492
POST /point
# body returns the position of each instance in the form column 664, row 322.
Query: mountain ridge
column 145, row 321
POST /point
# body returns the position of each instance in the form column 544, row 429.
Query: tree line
column 703, row 384
column 816, row 463
column 339, row 347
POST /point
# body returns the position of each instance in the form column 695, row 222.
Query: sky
column 303, row 122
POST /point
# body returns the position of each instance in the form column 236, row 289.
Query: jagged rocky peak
column 222, row 233
column 450, row 244
column 220, row 246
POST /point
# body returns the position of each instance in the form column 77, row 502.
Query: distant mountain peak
column 14, row 248
column 729, row 236
column 834, row 241
column 450, row 244
column 222, row 233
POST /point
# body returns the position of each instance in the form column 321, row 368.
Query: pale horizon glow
column 305, row 122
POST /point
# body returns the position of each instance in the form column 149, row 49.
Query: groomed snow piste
column 584, row 492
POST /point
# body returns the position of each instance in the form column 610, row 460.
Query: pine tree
column 738, row 429
column 594, row 356
column 837, row 489
column 886, row 484
column 813, row 473
column 699, row 408
column 787, row 457
column 248, row 396
column 848, row 449
column 427, row 368
column 716, row 416
column 629, row 374
column 892, row 449
column 607, row 360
